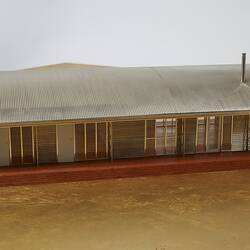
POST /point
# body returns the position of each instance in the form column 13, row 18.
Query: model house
column 72, row 113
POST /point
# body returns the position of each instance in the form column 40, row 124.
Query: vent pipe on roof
column 243, row 67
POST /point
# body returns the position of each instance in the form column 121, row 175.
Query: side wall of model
column 73, row 142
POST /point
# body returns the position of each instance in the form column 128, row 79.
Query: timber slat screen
column 171, row 135
column 226, row 133
column 91, row 141
column 150, row 138
column 248, row 133
column 160, row 137
column 128, row 139
column 16, row 151
column 179, row 141
column 46, row 144
column 21, row 145
column 190, row 135
column 101, row 140
column 27, row 145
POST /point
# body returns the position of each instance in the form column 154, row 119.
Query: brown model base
column 164, row 165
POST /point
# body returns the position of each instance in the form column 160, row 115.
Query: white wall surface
column 4, row 147
column 65, row 138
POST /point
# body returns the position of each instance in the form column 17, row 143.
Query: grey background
column 122, row 33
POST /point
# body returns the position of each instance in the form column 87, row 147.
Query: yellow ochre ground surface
column 179, row 212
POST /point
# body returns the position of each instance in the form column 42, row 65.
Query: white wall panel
column 65, row 139
column 4, row 147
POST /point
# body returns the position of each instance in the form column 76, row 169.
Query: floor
column 199, row 211
column 92, row 170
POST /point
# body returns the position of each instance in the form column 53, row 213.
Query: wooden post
column 110, row 141
column 21, row 141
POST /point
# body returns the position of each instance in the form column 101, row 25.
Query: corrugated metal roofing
column 71, row 91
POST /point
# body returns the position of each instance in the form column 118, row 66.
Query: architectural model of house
column 72, row 113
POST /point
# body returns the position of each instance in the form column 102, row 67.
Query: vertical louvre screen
column 201, row 135
column 150, row 140
column 16, row 153
column 150, row 129
column 128, row 139
column 179, row 147
column 90, row 140
column 226, row 137
column 101, row 140
column 171, row 132
column 46, row 136
column 79, row 142
column 27, row 145
column 213, row 134
column 35, row 141
column 239, row 133
column 248, row 136
column 160, row 137
column 96, row 141
column 190, row 135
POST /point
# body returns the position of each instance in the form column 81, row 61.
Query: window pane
column 160, row 146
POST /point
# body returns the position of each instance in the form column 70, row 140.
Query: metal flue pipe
column 243, row 68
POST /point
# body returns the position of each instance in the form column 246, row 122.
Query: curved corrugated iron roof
column 69, row 91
